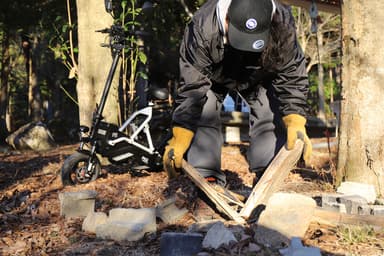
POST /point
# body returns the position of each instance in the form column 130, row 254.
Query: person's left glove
column 175, row 150
column 295, row 125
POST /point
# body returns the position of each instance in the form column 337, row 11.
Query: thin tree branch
column 71, row 37
column 186, row 9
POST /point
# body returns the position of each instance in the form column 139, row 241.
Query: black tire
column 72, row 171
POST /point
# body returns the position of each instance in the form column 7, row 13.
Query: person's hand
column 175, row 150
column 295, row 125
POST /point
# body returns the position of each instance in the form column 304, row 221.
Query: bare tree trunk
column 34, row 95
column 361, row 148
column 320, row 71
column 330, row 72
column 94, row 62
column 5, row 62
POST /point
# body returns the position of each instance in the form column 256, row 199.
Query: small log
column 272, row 178
column 212, row 194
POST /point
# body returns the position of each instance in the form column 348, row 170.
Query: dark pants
column 266, row 132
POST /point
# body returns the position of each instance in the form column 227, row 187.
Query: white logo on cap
column 251, row 23
column 257, row 45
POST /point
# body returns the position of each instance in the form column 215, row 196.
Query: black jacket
column 206, row 63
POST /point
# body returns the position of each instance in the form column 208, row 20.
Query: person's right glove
column 295, row 125
column 175, row 150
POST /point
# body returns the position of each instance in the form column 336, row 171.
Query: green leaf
column 142, row 57
column 142, row 75
column 123, row 4
column 64, row 28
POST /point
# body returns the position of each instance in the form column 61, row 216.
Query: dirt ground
column 30, row 221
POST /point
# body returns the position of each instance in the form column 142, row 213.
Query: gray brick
column 127, row 221
column 92, row 220
column 327, row 199
column 364, row 209
column 331, row 202
column 77, row 204
column 145, row 216
column 120, row 231
column 377, row 210
column 353, row 203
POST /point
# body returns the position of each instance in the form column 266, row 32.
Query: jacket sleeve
column 291, row 80
column 195, row 68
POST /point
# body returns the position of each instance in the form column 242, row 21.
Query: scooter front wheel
column 75, row 169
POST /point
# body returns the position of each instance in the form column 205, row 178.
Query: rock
column 366, row 191
column 217, row 236
column 168, row 212
column 286, row 215
column 252, row 247
column 202, row 226
column 203, row 254
column 297, row 249
column 35, row 136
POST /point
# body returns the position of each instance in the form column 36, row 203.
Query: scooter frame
column 105, row 137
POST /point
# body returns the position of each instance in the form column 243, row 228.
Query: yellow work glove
column 295, row 125
column 175, row 150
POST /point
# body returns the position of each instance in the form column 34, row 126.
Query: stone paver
column 77, row 204
column 92, row 220
column 120, row 231
column 180, row 244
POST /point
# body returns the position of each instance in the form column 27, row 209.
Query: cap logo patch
column 251, row 24
column 257, row 45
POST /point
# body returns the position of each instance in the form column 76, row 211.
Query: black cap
column 249, row 24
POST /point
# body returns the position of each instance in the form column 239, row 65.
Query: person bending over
column 247, row 46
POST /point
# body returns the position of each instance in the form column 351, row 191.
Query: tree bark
column 361, row 148
column 320, row 72
column 94, row 62
column 34, row 94
column 5, row 70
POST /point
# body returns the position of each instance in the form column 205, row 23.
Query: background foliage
column 39, row 30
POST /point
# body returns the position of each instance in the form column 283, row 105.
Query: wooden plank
column 336, row 218
column 212, row 194
column 272, row 178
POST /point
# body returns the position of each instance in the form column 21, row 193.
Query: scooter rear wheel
column 74, row 170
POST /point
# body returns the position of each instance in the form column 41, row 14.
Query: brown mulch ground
column 30, row 221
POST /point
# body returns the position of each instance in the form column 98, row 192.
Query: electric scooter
column 138, row 143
